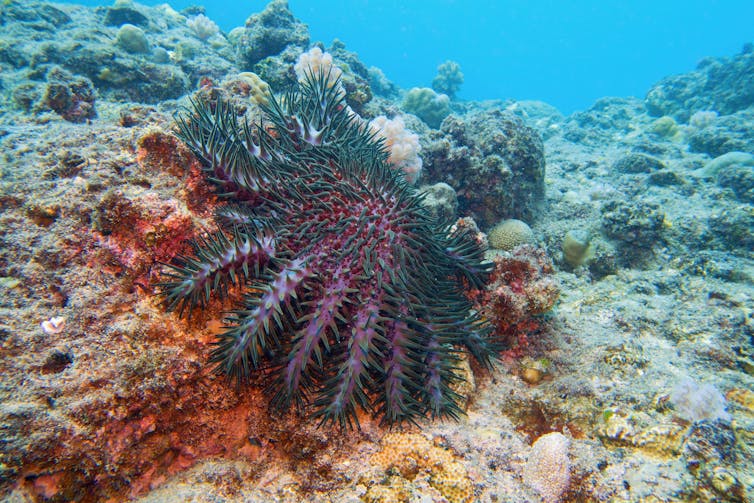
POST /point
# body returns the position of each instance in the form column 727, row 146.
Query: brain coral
column 509, row 234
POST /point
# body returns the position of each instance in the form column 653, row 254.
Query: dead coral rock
column 159, row 152
column 521, row 287
column 495, row 163
column 72, row 97
column 269, row 32
column 140, row 231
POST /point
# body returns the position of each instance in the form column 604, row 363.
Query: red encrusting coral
column 142, row 230
column 521, row 287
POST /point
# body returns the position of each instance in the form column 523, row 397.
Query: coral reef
column 449, row 79
column 269, row 33
column 129, row 52
column 412, row 455
column 548, row 469
column 729, row 133
column 495, row 163
column 105, row 396
column 426, row 104
column 722, row 84
column 333, row 243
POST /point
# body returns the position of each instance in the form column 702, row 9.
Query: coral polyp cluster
column 353, row 292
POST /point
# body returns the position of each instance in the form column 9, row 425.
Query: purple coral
column 354, row 292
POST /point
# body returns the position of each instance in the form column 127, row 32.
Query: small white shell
column 54, row 325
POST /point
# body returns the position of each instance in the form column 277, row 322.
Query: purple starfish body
column 354, row 293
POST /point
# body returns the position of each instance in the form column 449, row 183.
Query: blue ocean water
column 565, row 53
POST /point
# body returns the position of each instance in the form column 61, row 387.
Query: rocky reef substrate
column 636, row 385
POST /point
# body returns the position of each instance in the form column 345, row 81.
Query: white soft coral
column 315, row 61
column 402, row 144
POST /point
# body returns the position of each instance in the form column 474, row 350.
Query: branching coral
column 449, row 78
column 354, row 297
column 202, row 26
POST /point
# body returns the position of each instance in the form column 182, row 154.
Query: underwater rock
column 441, row 201
column 117, row 59
column 43, row 16
column 603, row 259
column 665, row 178
column 726, row 134
column 709, row 440
column 72, row 97
column 268, row 33
column 740, row 179
column 380, row 84
column 125, row 13
column 140, row 81
column 637, row 163
column 543, row 117
column 722, row 84
column 494, row 162
column 733, row 228
column 354, row 78
column 607, row 120
column 635, row 225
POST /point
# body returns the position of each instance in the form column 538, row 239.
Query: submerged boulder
column 269, row 33
column 494, row 162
